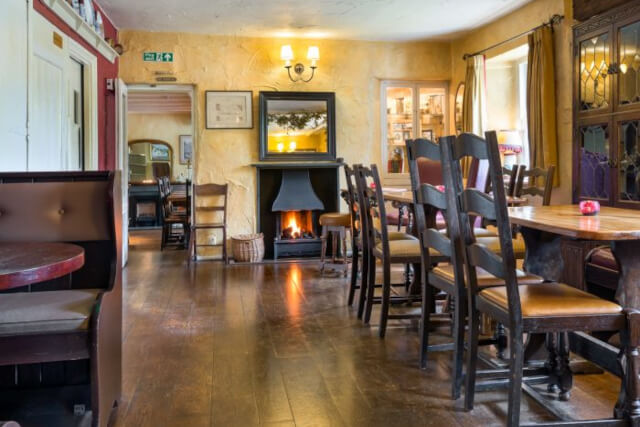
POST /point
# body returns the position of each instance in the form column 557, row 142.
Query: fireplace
column 279, row 192
column 296, row 204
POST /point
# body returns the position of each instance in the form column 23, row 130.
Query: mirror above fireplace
column 297, row 126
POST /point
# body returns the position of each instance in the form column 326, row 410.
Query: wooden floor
column 276, row 345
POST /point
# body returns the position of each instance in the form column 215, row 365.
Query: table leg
column 628, row 295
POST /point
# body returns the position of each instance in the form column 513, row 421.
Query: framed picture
column 160, row 152
column 186, row 149
column 229, row 109
column 428, row 134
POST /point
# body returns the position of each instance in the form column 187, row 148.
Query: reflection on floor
column 275, row 344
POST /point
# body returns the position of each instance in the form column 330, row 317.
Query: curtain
column 541, row 101
column 474, row 111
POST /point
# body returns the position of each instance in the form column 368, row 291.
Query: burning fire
column 293, row 224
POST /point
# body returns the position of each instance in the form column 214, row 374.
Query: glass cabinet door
column 400, row 125
column 594, row 84
column 431, row 113
column 410, row 110
column 629, row 64
column 629, row 161
column 595, row 165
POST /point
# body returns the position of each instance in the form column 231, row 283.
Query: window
column 507, row 104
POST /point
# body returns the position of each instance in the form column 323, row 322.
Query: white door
column 123, row 163
column 13, row 85
column 48, row 118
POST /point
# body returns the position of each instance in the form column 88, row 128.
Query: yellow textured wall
column 351, row 69
column 527, row 17
column 165, row 127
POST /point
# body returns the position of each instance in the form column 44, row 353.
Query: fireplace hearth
column 296, row 223
column 280, row 195
column 296, row 235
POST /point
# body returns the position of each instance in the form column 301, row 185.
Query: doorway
column 160, row 142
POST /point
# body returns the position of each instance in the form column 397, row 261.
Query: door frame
column 90, row 83
column 122, row 163
column 190, row 89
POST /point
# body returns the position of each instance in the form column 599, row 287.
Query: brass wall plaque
column 57, row 39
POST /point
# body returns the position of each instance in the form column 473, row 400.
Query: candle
column 589, row 207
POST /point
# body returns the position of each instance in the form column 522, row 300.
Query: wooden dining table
column 543, row 229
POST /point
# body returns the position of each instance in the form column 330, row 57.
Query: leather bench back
column 76, row 207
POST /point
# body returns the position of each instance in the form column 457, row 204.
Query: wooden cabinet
column 606, row 108
column 410, row 110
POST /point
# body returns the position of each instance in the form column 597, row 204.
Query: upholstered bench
column 61, row 340
column 31, row 313
column 601, row 272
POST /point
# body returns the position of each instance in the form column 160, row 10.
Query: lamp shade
column 286, row 53
column 510, row 140
column 313, row 53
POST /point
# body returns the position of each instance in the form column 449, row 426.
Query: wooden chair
column 357, row 252
column 537, row 308
column 397, row 249
column 510, row 177
column 448, row 278
column 73, row 355
column 533, row 188
column 217, row 195
column 172, row 217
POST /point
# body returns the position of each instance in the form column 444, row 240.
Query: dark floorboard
column 276, row 345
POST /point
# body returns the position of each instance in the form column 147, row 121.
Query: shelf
column 65, row 12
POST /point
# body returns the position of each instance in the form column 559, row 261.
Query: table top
column 26, row 263
column 407, row 198
column 566, row 220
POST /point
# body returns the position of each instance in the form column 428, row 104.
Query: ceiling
column 146, row 102
column 379, row 20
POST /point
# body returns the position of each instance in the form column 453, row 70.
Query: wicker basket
column 248, row 247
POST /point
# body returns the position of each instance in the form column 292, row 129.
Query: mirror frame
column 329, row 97
column 155, row 141
column 455, row 105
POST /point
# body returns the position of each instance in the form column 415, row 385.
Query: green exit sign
column 157, row 56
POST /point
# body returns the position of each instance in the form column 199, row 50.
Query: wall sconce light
column 313, row 54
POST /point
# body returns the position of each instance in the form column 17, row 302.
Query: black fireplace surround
column 295, row 186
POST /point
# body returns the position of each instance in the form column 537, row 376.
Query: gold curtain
column 474, row 111
column 541, row 101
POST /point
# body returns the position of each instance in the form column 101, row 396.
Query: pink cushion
column 393, row 219
column 604, row 258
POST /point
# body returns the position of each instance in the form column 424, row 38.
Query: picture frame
column 428, row 134
column 160, row 153
column 229, row 109
column 186, row 149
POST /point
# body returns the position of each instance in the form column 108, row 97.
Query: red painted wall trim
column 106, row 99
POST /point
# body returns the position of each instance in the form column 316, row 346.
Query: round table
column 24, row 263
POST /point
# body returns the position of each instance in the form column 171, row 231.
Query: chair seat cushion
column 487, row 279
column 485, row 232
column 26, row 313
column 393, row 235
column 478, row 232
column 405, row 248
column 604, row 258
column 493, row 243
column 335, row 219
column 393, row 218
column 552, row 299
